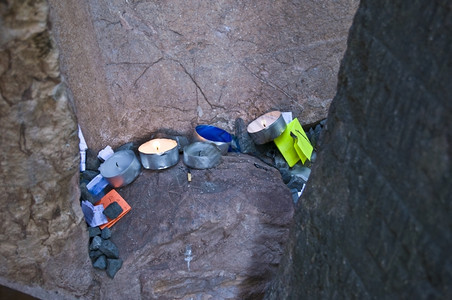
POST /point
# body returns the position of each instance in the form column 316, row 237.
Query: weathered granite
column 39, row 207
column 375, row 220
column 235, row 217
column 147, row 65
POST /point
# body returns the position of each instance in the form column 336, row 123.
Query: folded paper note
column 109, row 198
column 97, row 185
column 287, row 116
column 294, row 144
column 105, row 153
column 93, row 214
column 302, row 144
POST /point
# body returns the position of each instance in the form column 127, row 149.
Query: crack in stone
column 9, row 102
column 176, row 108
column 193, row 79
column 196, row 83
column 145, row 70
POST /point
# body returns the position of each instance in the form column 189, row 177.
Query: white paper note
column 287, row 116
column 93, row 214
column 105, row 153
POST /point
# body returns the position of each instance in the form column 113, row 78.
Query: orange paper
column 109, row 198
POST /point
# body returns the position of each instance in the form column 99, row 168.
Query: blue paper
column 214, row 134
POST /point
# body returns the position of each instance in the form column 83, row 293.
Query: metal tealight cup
column 267, row 127
column 201, row 155
column 211, row 134
column 121, row 168
column 159, row 161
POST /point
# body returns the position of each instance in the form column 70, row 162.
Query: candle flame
column 156, row 145
column 264, row 123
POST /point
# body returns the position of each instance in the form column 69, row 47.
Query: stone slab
column 147, row 65
column 235, row 217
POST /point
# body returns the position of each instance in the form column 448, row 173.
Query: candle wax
column 117, row 164
column 121, row 168
column 157, row 146
column 263, row 121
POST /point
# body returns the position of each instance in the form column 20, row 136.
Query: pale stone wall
column 139, row 66
column 39, row 207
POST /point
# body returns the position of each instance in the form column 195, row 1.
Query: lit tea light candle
column 159, row 154
column 267, row 127
column 121, row 168
column 201, row 155
column 156, row 146
column 211, row 134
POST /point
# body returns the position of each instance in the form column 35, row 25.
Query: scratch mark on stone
column 312, row 67
column 128, row 63
column 177, row 108
column 311, row 45
column 118, row 85
column 272, row 85
column 174, row 31
column 124, row 22
column 23, row 141
column 109, row 23
column 221, row 95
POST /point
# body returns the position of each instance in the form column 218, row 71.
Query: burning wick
column 264, row 123
column 157, row 145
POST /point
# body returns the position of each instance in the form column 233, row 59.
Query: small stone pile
column 103, row 253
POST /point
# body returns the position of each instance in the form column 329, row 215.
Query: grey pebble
column 113, row 266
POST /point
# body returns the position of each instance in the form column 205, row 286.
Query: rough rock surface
column 147, row 65
column 235, row 218
column 375, row 220
column 39, row 207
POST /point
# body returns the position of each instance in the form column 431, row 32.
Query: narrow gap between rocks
column 180, row 222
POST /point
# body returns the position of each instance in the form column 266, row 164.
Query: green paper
column 285, row 144
column 294, row 149
column 302, row 144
